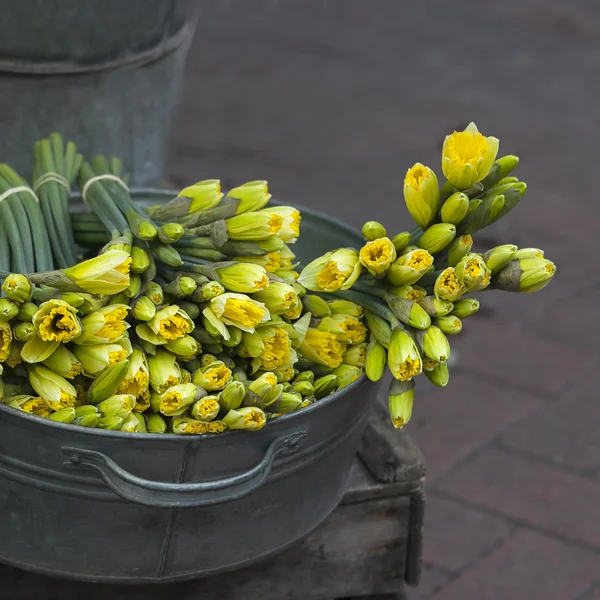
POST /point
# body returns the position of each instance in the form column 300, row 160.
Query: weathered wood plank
column 359, row 550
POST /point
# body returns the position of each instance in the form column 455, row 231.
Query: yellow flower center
column 376, row 252
column 416, row 176
column 398, row 422
column 326, row 346
column 276, row 351
column 254, row 417
column 112, row 330
column 261, row 283
column 66, row 401
column 119, row 313
column 135, row 385
column 464, row 148
column 171, row 381
column 216, row 427
column 36, row 406
column 195, row 427
column 354, row 331
column 59, row 325
column 275, row 223
column 143, row 401
column 415, row 295
column 449, row 282
column 208, row 408
column 330, row 278
column 295, row 224
column 175, row 327
column 156, row 298
column 549, row 268
column 472, row 269
column 456, row 323
column 408, row 369
column 124, row 266
column 420, row 260
column 273, row 261
column 116, row 357
column 75, row 369
column 5, row 340
column 466, row 240
column 294, row 312
column 171, row 401
column 217, row 377
column 243, row 311
column 429, row 364
column 186, row 377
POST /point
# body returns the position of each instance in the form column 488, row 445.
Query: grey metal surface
column 118, row 507
column 103, row 73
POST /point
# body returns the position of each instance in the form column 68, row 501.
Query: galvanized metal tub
column 117, row 507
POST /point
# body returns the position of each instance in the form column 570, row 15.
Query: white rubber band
column 100, row 177
column 16, row 190
column 51, row 176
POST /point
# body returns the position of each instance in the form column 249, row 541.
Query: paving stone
column 432, row 580
column 594, row 594
column 449, row 423
column 455, row 534
column 528, row 566
column 528, row 491
column 564, row 433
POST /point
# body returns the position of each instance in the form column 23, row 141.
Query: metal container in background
column 104, row 73
column 120, row 507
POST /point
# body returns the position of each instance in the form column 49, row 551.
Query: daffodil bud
column 170, row 232
column 500, row 169
column 17, row 288
column 187, row 426
column 185, row 348
column 237, row 310
column 27, row 311
column 401, row 241
column 263, row 385
column 107, row 382
column 87, row 416
column 105, row 325
column 29, row 404
column 289, row 403
column 206, row 409
column 472, row 273
column 408, row 311
column 315, row 305
column 526, row 275
column 372, row 230
column 96, row 358
column 495, row 207
column 347, row 374
column 156, row 423
column 113, row 423
column 439, row 375
column 279, row 297
column 134, row 288
column 214, row 376
column 348, row 330
column 323, row 386
column 8, row 309
column 178, row 398
column 155, row 293
column 455, row 208
column 181, row 287
column 164, row 370
column 305, row 376
column 56, row 321
column 64, row 362
column 404, row 359
column 140, row 260
column 244, row 278
column 467, row 157
column 249, row 418
column 435, row 344
column 465, row 308
column 450, row 324
column 132, row 424
column 54, row 389
column 459, row 247
column 379, row 327
column 252, row 195
column 355, row 355
column 376, row 360
column 345, row 307
column 168, row 324
column 143, row 309
column 408, row 268
column 254, row 226
column 322, row 347
column 232, row 396
column 437, row 237
column 421, row 194
column 400, row 402
column 24, row 332
column 529, row 253
column 333, row 271
column 304, row 388
column 447, row 286
column 119, row 405
column 377, row 256
column 497, row 258
column 235, row 337
column 64, row 415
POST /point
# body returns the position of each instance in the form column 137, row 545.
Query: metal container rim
column 163, row 193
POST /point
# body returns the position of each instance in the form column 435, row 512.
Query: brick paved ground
column 332, row 101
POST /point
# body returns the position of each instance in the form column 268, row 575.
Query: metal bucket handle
column 182, row 495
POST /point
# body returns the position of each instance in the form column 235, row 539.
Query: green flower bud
column 155, row 293
column 232, row 396
column 143, row 309
column 439, row 375
column 24, row 332
column 213, row 377
column 8, row 309
column 400, row 402
column 437, row 237
column 472, row 273
column 206, row 409
column 529, row 253
column 435, row 344
column 192, row 310
column 17, row 288
column 526, row 275
column 465, row 308
column 181, row 287
column 305, row 376
column 409, row 267
column 135, row 286
column 316, row 306
column 140, row 261
column 372, row 230
column 326, row 385
column 286, row 386
column 377, row 256
column 63, row 362
column 401, row 241
column 408, row 312
column 404, row 359
column 355, row 355
column 379, row 327
column 289, row 403
column 187, row 426
column 211, row 290
column 119, row 405
column 497, row 258
column 252, row 195
column 410, row 292
column 450, row 324
column 65, row 415
column 455, row 209
column 107, row 382
column 421, row 194
column 178, row 398
column 244, row 278
column 347, row 374
column 27, row 311
column 345, row 307
column 110, row 423
column 376, row 360
column 447, row 286
column 249, row 418
column 185, row 348
column 304, row 388
column 170, row 232
column 156, row 424
column 131, row 424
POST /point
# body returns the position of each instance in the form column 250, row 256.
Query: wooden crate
column 369, row 547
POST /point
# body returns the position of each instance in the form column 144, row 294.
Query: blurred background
column 331, row 102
